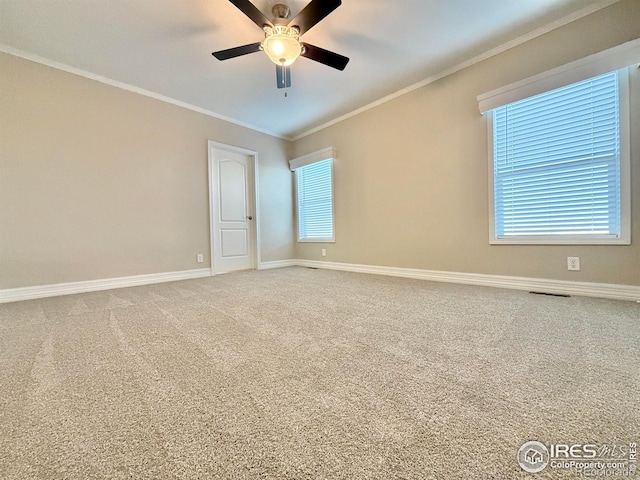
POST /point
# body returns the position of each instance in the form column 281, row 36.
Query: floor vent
column 551, row 294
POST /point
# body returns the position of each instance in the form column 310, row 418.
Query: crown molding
column 131, row 88
column 572, row 17
column 583, row 12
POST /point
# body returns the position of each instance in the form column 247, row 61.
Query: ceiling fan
column 282, row 37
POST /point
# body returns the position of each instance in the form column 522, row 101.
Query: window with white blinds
column 557, row 165
column 315, row 201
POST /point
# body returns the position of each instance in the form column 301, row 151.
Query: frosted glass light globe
column 282, row 48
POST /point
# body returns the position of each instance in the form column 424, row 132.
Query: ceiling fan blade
column 250, row 10
column 237, row 51
column 283, row 76
column 315, row 11
column 323, row 56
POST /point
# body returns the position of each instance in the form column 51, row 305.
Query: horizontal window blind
column 315, row 201
column 557, row 162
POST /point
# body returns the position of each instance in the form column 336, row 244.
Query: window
column 314, row 190
column 315, row 201
column 560, row 153
column 558, row 166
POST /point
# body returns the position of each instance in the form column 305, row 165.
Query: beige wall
column 411, row 176
column 98, row 182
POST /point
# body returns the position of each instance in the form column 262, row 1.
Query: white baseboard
column 43, row 291
column 601, row 290
column 277, row 264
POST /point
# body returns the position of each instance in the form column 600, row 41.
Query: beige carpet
column 309, row 374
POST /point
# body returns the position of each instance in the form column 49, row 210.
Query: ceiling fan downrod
column 280, row 12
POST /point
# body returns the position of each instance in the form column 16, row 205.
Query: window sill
column 316, row 240
column 559, row 241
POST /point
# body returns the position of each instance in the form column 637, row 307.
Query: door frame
column 254, row 204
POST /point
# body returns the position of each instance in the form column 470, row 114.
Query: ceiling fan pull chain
column 285, row 80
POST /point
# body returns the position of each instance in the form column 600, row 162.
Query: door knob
column 249, row 217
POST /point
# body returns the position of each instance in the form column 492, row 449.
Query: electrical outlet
column 200, row 258
column 573, row 263
column 324, row 252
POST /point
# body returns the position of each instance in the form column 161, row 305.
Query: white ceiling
column 164, row 46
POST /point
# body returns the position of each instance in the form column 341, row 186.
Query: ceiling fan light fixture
column 282, row 37
column 282, row 44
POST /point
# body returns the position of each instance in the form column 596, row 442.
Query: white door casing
column 233, row 212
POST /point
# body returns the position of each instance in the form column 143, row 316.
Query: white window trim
column 600, row 63
column 314, row 157
column 328, row 153
column 625, row 185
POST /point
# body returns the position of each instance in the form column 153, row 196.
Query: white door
column 231, row 210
